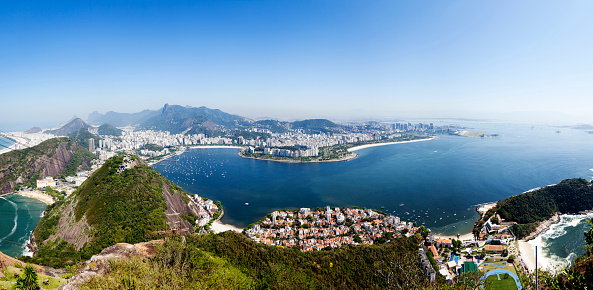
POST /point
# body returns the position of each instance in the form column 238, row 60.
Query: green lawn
column 502, row 284
column 8, row 281
column 497, row 265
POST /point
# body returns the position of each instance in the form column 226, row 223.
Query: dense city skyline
column 295, row 60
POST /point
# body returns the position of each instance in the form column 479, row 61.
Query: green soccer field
column 502, row 284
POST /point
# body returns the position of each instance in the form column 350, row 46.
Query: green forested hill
column 527, row 209
column 316, row 125
column 231, row 261
column 107, row 129
column 54, row 157
column 108, row 208
column 82, row 137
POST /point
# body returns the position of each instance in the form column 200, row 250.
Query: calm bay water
column 437, row 183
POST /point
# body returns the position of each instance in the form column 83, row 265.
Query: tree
column 29, row 282
column 470, row 281
column 511, row 258
column 402, row 272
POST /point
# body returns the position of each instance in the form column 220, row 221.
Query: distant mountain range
column 191, row 120
column 121, row 119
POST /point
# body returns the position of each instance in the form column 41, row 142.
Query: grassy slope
column 8, row 281
column 231, row 261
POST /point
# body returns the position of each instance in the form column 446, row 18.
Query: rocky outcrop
column 49, row 158
column 176, row 207
column 74, row 232
column 99, row 264
column 55, row 164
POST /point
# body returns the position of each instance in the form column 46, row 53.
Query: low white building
column 48, row 181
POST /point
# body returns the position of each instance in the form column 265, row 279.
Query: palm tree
column 29, row 282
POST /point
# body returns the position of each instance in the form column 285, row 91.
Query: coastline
column 388, row 143
column 10, row 148
column 38, row 195
column 469, row 237
column 542, row 227
column 527, row 249
column 527, row 252
column 219, row 227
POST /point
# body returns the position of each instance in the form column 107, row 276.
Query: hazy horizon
column 523, row 61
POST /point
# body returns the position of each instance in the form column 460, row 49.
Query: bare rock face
column 72, row 231
column 175, row 208
column 56, row 163
column 99, row 264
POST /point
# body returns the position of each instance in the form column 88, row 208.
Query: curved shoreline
column 38, row 195
column 360, row 147
column 219, row 227
column 11, row 147
column 527, row 250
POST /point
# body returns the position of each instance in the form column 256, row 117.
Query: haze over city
column 506, row 60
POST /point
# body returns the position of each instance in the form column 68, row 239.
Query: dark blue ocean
column 437, row 183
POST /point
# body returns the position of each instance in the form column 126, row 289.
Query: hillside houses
column 330, row 227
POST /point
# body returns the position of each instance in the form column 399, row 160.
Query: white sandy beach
column 215, row 146
column 37, row 195
column 6, row 150
column 527, row 249
column 386, row 143
column 528, row 255
column 219, row 227
column 463, row 238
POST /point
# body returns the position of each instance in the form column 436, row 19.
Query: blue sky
column 298, row 59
